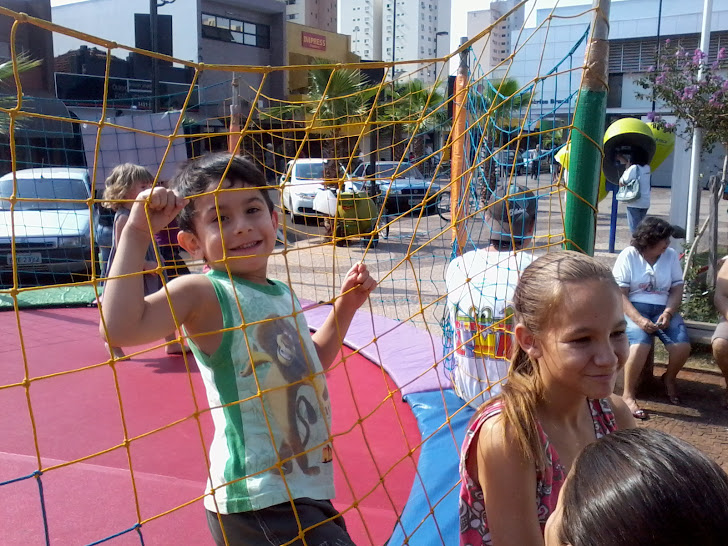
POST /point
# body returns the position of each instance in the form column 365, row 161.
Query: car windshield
column 388, row 170
column 309, row 171
column 46, row 194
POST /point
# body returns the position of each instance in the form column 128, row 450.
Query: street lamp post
column 355, row 47
column 437, row 49
column 394, row 37
column 154, row 45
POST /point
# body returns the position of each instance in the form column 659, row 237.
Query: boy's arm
column 128, row 317
column 354, row 292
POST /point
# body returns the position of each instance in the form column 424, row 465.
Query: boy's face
column 236, row 230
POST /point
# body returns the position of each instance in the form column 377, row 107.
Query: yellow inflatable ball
column 665, row 144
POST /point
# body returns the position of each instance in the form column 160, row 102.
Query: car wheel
column 443, row 206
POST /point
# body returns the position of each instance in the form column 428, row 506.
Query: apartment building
column 398, row 30
column 492, row 50
column 320, row 14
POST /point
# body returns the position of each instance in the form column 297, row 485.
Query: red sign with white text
column 313, row 41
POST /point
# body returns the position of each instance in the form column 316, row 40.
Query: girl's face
column 584, row 345
column 136, row 188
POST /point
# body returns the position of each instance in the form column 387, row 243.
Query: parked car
column 301, row 181
column 401, row 183
column 50, row 223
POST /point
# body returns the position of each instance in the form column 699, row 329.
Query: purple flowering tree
column 698, row 102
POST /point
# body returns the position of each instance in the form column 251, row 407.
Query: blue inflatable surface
column 431, row 514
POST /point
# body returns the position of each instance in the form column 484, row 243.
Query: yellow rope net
column 362, row 169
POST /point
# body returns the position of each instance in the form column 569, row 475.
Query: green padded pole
column 585, row 159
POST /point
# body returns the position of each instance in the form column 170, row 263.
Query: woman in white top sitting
column 649, row 274
column 636, row 163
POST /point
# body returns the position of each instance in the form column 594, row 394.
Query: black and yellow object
column 356, row 215
column 625, row 133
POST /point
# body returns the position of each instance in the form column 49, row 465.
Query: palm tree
column 337, row 101
column 7, row 80
column 411, row 110
column 493, row 107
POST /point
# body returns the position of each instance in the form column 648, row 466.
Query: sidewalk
column 699, row 420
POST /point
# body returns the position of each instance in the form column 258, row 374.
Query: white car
column 52, row 228
column 303, row 179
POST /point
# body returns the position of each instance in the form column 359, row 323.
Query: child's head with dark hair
column 641, row 486
column 651, row 231
column 229, row 220
column 214, row 171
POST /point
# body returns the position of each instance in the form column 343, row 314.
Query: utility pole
column 154, row 39
column 394, row 37
column 586, row 138
column 697, row 134
column 437, row 52
column 657, row 49
column 154, row 45
column 458, row 152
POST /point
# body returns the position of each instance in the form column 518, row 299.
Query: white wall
column 117, row 24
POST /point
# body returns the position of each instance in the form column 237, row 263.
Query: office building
column 233, row 32
column 633, row 42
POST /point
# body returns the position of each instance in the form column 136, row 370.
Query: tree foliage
column 697, row 101
column 7, row 85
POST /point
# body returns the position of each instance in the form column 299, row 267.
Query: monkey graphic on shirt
column 285, row 375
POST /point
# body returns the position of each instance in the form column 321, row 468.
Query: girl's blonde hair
column 120, row 181
column 535, row 301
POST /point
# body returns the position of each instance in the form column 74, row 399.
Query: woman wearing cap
column 648, row 273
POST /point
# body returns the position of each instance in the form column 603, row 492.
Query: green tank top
column 269, row 399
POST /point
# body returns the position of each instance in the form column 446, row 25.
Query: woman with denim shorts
column 649, row 274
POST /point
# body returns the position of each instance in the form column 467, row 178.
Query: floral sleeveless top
column 474, row 529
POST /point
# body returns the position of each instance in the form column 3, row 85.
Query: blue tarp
column 431, row 514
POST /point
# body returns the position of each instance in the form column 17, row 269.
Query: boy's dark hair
column 199, row 174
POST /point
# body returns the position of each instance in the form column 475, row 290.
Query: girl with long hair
column 570, row 345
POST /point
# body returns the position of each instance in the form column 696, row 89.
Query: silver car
column 50, row 223
column 402, row 183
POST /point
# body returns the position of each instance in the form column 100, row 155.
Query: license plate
column 413, row 201
column 24, row 259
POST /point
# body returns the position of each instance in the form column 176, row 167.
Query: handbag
column 630, row 190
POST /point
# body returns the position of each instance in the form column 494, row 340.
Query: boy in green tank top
column 271, row 476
